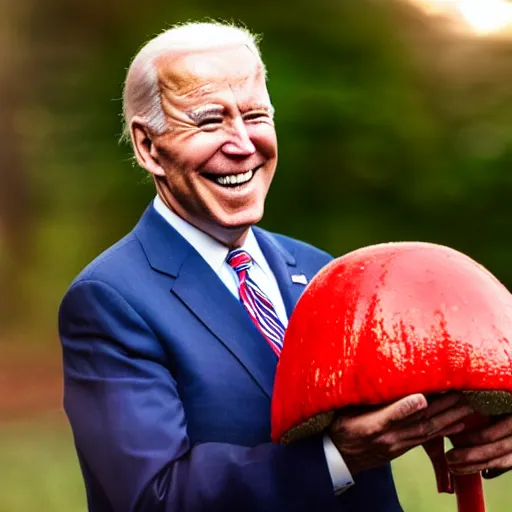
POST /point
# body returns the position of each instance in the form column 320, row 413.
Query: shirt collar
column 251, row 246
column 212, row 251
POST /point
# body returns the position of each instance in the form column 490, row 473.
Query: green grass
column 39, row 473
column 38, row 467
column 416, row 486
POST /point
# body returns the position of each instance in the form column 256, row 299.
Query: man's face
column 219, row 153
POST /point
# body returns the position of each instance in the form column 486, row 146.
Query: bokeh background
column 394, row 122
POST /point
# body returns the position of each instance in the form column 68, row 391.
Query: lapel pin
column 299, row 279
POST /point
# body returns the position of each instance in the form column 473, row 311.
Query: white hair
column 141, row 93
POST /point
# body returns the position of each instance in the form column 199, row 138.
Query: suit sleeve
column 130, row 428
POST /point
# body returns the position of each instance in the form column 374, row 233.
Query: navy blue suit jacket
column 167, row 386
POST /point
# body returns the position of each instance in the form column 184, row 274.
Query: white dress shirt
column 215, row 254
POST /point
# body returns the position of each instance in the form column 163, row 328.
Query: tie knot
column 239, row 260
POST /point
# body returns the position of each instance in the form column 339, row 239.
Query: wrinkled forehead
column 197, row 73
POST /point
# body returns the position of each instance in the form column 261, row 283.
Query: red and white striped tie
column 258, row 305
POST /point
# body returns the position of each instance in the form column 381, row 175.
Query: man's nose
column 239, row 144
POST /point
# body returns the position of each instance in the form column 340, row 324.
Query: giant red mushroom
column 389, row 320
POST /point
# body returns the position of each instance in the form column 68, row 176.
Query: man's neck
column 232, row 238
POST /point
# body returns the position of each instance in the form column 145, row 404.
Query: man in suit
column 171, row 337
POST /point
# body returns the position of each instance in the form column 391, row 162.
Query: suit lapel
column 201, row 290
column 210, row 300
column 283, row 265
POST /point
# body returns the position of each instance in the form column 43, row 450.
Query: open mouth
column 233, row 180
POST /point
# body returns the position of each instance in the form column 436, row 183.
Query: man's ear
column 144, row 148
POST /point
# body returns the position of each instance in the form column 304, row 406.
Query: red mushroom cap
column 388, row 320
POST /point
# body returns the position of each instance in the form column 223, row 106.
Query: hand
column 488, row 450
column 371, row 439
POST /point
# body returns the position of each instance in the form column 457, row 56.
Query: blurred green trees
column 390, row 128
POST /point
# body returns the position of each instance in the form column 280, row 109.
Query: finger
column 441, row 424
column 373, row 423
column 503, row 463
column 438, row 405
column 399, row 447
column 398, row 412
column 412, row 419
column 499, row 430
column 452, row 430
column 489, row 474
column 402, row 410
column 443, row 403
column 482, row 453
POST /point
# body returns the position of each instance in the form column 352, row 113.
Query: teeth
column 235, row 179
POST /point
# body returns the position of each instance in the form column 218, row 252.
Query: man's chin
column 230, row 228
column 241, row 222
column 236, row 218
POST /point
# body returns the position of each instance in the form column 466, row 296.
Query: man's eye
column 255, row 116
column 209, row 122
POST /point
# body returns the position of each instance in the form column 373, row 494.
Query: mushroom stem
column 469, row 492
column 468, row 488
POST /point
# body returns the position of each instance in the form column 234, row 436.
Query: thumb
column 401, row 410
column 376, row 422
